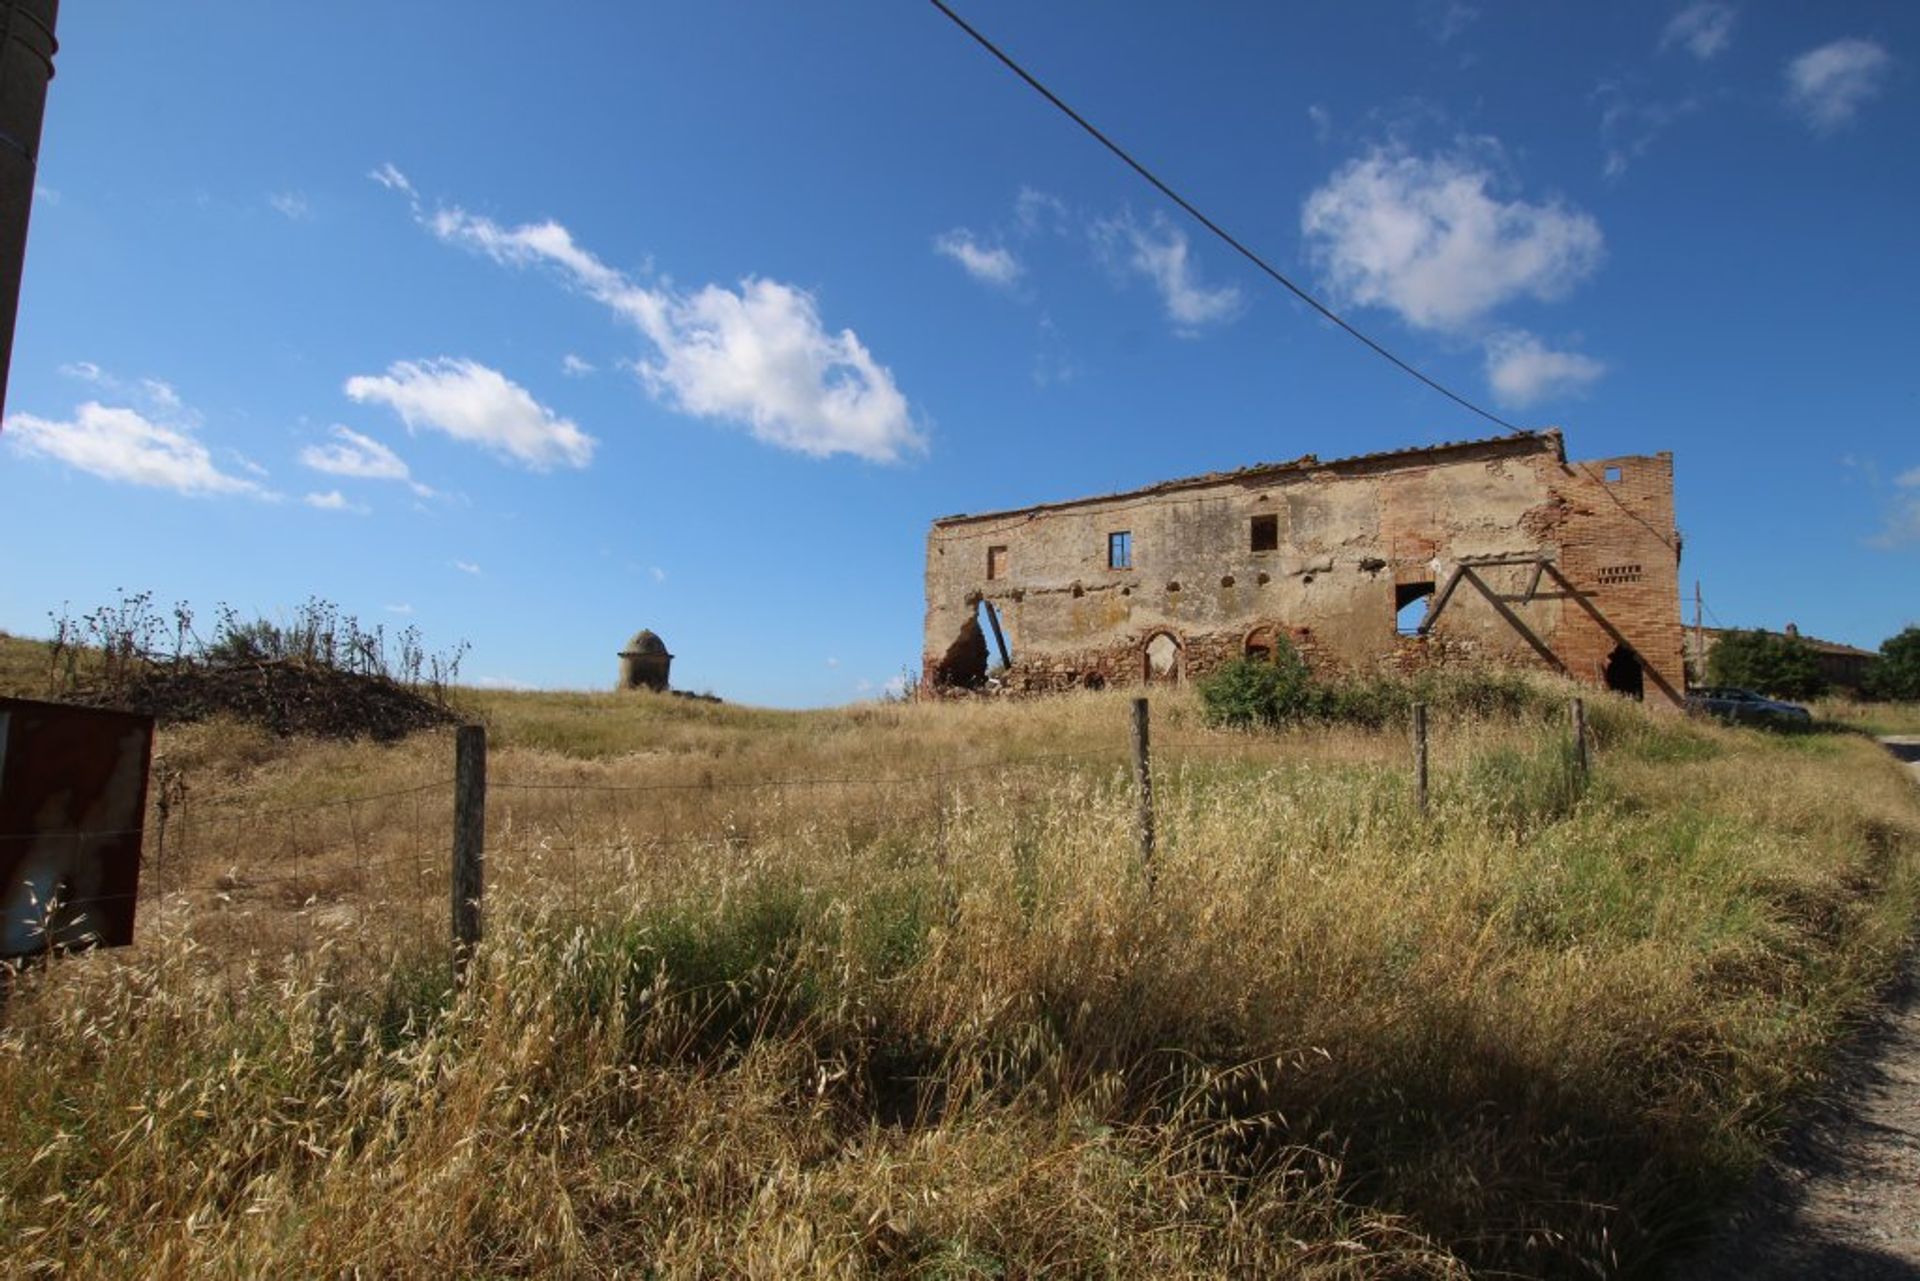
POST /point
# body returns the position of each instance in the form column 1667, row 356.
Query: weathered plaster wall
column 1346, row 535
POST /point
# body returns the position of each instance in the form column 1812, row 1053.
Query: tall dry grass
column 940, row 1027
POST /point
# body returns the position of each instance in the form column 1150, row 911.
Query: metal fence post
column 1420, row 756
column 1143, row 781
column 469, row 841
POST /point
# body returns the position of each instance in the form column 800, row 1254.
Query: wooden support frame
column 1543, row 566
column 999, row 639
column 1606, row 625
column 1514, row 620
column 1465, row 572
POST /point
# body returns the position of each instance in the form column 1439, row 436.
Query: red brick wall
column 1618, row 544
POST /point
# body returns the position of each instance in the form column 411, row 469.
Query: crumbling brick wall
column 1324, row 554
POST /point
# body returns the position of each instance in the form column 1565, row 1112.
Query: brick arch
column 1261, row 640
column 1162, row 657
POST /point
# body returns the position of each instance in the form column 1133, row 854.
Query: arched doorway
column 1162, row 659
column 1260, row 643
column 1624, row 674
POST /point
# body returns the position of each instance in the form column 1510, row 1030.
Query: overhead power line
column 1209, row 223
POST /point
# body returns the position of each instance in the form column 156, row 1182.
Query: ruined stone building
column 1493, row 550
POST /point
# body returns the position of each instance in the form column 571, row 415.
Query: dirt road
column 1843, row 1199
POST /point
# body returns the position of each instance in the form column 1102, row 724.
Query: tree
column 1783, row 666
column 1897, row 674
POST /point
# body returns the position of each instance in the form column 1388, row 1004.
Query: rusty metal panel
column 73, row 795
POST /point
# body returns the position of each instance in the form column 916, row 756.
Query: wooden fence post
column 1143, row 781
column 1581, row 763
column 469, row 841
column 1420, row 756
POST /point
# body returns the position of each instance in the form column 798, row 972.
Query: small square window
column 996, row 562
column 1120, row 549
column 1266, row 533
column 1613, row 475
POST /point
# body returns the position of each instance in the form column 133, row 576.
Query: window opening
column 1613, row 475
column 1266, row 533
column 997, row 562
column 1162, row 659
column 1120, row 549
column 1624, row 673
column 1410, row 604
column 988, row 619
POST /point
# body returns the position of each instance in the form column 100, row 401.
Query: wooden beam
column 1514, row 620
column 993, row 620
column 1533, row 583
column 1606, row 625
column 1440, row 601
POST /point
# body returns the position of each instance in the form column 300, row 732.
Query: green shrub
column 1251, row 691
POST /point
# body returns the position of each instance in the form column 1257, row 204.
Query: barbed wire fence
column 377, row 871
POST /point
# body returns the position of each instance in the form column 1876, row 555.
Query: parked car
column 1745, row 706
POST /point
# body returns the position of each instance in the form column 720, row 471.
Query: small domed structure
column 644, row 662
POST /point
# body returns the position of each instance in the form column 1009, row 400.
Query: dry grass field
column 883, row 991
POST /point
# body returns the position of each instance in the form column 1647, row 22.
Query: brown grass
column 937, row 1026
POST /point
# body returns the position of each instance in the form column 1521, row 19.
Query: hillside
column 885, row 991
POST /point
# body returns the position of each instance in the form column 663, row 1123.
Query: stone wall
column 1321, row 553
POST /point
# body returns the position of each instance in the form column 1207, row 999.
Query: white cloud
column 575, row 367
column 362, row 457
column 46, row 195
column 466, row 567
column 401, row 608
column 1901, row 524
column 1160, row 253
column 1426, row 238
column 290, row 205
column 1449, row 20
column 832, row 662
column 992, row 265
column 501, row 682
column 1703, row 29
column 335, row 501
column 758, row 357
column 1039, row 211
column 1322, row 120
column 658, row 574
column 479, row 405
column 123, row 445
column 1522, row 370
column 156, row 397
column 388, row 176
column 160, row 393
column 1628, row 129
column 1828, row 85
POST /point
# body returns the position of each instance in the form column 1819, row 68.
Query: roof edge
column 1306, row 464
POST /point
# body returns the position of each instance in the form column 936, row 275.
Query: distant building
column 1496, row 550
column 1842, row 667
column 644, row 663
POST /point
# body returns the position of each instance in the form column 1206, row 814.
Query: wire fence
column 374, row 871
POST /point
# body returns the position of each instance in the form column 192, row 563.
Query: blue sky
column 533, row 332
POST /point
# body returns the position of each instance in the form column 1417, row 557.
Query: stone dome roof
column 645, row 642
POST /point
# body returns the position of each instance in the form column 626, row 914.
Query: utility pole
column 27, row 47
column 1699, row 638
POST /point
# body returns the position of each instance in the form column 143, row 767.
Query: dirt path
column 1843, row 1199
